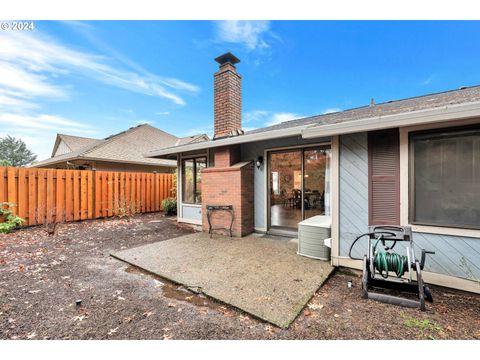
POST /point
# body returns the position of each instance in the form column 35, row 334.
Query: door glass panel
column 201, row 163
column 285, row 188
column 188, row 195
column 299, row 185
column 315, row 182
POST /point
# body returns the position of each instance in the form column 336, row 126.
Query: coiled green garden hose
column 389, row 261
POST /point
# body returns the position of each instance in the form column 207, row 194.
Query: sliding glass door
column 299, row 185
column 285, row 188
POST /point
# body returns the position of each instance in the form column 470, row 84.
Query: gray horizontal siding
column 455, row 256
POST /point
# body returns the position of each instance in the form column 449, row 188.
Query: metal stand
column 211, row 209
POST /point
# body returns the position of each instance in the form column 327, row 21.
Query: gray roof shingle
column 430, row 101
column 127, row 146
column 77, row 142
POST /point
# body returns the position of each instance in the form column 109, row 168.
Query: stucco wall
column 455, row 256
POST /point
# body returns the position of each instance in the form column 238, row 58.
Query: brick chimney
column 227, row 97
column 230, row 180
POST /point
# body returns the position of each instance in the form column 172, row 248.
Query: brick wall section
column 226, row 156
column 227, row 100
column 232, row 185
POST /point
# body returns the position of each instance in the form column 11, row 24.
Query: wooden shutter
column 384, row 177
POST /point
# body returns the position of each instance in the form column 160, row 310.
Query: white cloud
column 278, row 118
column 331, row 110
column 28, row 63
column 161, row 113
column 180, row 85
column 428, row 80
column 25, row 83
column 39, row 131
column 31, row 66
column 254, row 115
column 268, row 118
column 7, row 101
column 43, row 121
column 245, row 32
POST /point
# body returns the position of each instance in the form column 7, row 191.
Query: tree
column 14, row 152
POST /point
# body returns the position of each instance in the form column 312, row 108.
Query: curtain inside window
column 446, row 179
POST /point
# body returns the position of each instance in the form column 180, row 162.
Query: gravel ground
column 42, row 276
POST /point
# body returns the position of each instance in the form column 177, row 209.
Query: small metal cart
column 211, row 209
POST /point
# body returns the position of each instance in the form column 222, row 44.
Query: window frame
column 194, row 177
column 447, row 132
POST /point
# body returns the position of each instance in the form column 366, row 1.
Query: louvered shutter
column 384, row 177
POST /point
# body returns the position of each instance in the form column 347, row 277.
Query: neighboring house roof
column 439, row 105
column 72, row 143
column 125, row 147
column 192, row 139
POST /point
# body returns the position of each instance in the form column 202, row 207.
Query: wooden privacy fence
column 45, row 196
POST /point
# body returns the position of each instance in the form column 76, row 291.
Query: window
column 192, row 180
column 445, row 178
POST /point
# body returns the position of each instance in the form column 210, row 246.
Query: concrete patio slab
column 262, row 276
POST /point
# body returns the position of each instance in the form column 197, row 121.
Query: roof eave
column 445, row 113
column 86, row 158
column 420, row 117
column 241, row 139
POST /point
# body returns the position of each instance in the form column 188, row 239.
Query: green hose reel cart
column 384, row 268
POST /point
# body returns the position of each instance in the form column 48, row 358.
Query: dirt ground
column 42, row 278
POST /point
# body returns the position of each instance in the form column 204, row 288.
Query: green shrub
column 10, row 221
column 169, row 205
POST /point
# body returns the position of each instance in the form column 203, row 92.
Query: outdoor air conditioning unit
column 312, row 234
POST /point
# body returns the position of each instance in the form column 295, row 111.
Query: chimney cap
column 227, row 58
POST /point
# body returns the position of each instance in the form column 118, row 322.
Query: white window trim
column 404, row 182
column 180, row 202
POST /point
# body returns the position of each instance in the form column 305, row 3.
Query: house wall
column 250, row 152
column 62, row 149
column 457, row 256
column 132, row 167
column 353, row 191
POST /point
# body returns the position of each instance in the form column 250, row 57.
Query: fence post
column 155, row 199
column 94, row 193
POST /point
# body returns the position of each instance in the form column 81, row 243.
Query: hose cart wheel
column 366, row 271
column 365, row 276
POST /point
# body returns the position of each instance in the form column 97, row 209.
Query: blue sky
column 97, row 78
